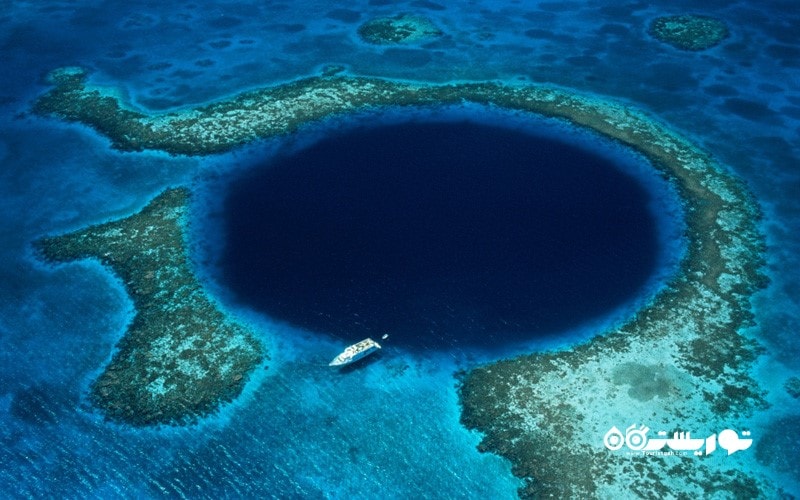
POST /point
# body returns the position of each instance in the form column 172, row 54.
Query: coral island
column 181, row 356
column 682, row 360
column 689, row 32
column 399, row 29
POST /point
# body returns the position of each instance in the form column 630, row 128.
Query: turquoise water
column 390, row 428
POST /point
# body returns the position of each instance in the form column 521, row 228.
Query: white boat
column 356, row 351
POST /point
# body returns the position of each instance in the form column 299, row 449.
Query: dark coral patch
column 426, row 4
column 750, row 110
column 220, row 44
column 792, row 387
column 400, row 29
column 291, row 28
column 720, row 90
column 38, row 405
column 689, row 32
column 225, row 22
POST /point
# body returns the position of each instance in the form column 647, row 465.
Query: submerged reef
column 399, row 29
column 682, row 360
column 689, row 32
column 792, row 387
column 181, row 357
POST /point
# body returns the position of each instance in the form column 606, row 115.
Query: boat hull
column 355, row 352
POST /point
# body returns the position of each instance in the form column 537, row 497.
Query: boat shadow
column 361, row 363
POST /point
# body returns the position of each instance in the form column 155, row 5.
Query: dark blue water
column 439, row 234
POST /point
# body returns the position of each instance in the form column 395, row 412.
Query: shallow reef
column 181, row 357
column 689, row 32
column 399, row 29
column 681, row 360
column 792, row 387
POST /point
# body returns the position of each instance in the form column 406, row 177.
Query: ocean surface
column 389, row 428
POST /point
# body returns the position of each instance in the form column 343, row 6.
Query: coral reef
column 399, row 29
column 689, row 32
column 181, row 356
column 683, row 357
column 681, row 360
column 792, row 387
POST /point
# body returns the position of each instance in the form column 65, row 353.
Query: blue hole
column 440, row 234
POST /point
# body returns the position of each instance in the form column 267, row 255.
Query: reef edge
column 180, row 357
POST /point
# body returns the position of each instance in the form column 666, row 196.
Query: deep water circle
column 440, row 234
